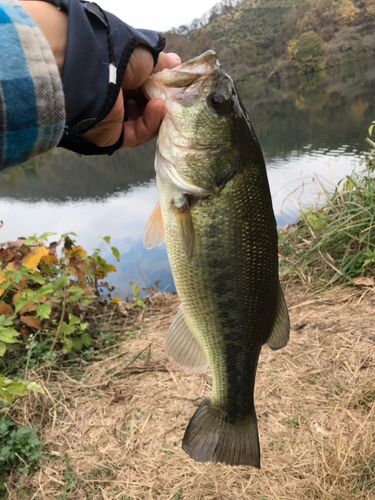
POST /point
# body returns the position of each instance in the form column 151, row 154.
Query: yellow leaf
column 48, row 260
column 99, row 274
column 111, row 269
column 78, row 252
column 114, row 300
column 135, row 290
column 32, row 259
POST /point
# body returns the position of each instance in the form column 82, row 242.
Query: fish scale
column 217, row 220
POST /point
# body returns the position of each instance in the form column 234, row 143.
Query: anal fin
column 154, row 229
column 280, row 332
column 183, row 348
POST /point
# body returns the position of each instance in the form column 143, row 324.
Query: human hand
column 144, row 117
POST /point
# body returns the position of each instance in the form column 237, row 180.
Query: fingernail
column 174, row 57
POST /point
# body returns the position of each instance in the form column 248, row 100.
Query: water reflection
column 308, row 127
column 122, row 216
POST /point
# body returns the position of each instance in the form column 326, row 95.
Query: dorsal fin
column 154, row 229
column 183, row 348
column 280, row 333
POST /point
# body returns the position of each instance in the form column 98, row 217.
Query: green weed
column 178, row 495
column 70, row 480
column 295, row 421
column 19, row 451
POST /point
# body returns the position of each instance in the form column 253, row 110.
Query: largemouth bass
column 215, row 214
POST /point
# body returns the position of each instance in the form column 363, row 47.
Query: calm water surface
column 308, row 127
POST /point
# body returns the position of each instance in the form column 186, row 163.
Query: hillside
column 280, row 37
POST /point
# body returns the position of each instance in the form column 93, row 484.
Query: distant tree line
column 279, row 36
column 217, row 10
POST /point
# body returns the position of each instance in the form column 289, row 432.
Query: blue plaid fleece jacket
column 32, row 111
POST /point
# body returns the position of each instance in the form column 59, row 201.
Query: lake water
column 308, row 127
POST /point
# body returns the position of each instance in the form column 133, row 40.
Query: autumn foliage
column 42, row 292
column 255, row 37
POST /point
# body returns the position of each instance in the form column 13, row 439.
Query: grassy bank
column 109, row 420
column 112, row 428
column 335, row 243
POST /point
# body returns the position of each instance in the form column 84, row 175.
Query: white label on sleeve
column 112, row 73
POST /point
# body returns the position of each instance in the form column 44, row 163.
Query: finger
column 132, row 109
column 146, row 127
column 170, row 60
column 139, row 68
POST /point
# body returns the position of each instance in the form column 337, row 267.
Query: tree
column 370, row 8
column 305, row 52
column 214, row 12
column 182, row 30
column 225, row 5
column 195, row 23
column 346, row 12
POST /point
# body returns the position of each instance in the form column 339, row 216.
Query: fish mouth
column 201, row 65
column 180, row 76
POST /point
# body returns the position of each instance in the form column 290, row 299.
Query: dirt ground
column 115, row 433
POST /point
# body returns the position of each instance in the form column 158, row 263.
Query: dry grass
column 116, row 434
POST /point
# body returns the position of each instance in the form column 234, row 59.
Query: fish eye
column 218, row 101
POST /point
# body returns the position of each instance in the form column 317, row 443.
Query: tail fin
column 209, row 438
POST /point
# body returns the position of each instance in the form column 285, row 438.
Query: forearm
column 54, row 25
column 32, row 108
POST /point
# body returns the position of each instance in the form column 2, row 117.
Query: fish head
column 205, row 129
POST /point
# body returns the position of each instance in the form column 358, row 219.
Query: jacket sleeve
column 32, row 107
column 98, row 50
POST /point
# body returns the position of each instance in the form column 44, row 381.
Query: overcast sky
column 159, row 15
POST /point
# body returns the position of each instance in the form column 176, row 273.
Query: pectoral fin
column 183, row 348
column 154, row 229
column 280, row 333
column 184, row 220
